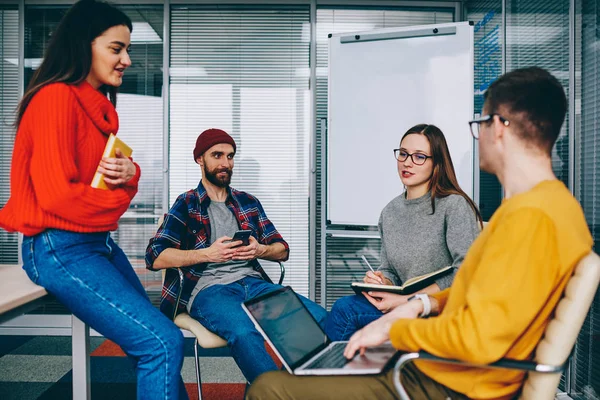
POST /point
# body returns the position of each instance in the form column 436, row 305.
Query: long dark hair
column 443, row 180
column 68, row 57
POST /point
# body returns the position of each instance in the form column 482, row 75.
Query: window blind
column 140, row 109
column 586, row 377
column 245, row 70
column 537, row 34
column 343, row 254
column 9, row 98
column 487, row 17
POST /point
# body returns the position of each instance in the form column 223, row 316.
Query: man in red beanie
column 220, row 273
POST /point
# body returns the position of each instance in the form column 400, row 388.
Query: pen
column 366, row 262
column 371, row 268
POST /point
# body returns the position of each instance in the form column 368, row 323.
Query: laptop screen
column 289, row 325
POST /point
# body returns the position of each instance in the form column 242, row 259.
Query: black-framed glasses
column 484, row 119
column 417, row 158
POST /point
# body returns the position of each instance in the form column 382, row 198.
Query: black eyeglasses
column 417, row 158
column 475, row 124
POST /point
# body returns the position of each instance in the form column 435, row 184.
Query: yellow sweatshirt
column 504, row 293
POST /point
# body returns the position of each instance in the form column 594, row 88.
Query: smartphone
column 243, row 235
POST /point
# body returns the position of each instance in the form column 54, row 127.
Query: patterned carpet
column 40, row 368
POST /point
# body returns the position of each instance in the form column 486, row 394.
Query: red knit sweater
column 58, row 146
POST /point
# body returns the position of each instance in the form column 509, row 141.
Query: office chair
column 553, row 350
column 204, row 338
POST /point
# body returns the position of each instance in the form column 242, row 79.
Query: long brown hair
column 443, row 180
column 68, row 57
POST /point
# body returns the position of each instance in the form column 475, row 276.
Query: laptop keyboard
column 331, row 359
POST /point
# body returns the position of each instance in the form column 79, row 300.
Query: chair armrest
column 282, row 268
column 504, row 363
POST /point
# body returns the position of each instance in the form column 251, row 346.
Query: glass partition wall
column 259, row 71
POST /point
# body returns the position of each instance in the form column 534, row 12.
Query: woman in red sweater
column 63, row 121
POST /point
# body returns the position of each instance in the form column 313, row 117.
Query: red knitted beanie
column 209, row 138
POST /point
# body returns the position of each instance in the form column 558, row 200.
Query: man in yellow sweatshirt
column 511, row 278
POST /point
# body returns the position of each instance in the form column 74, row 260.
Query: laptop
column 301, row 344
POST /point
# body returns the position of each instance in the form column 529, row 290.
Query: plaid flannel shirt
column 187, row 226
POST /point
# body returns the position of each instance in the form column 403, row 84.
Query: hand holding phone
column 243, row 235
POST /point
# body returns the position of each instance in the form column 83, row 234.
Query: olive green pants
column 281, row 385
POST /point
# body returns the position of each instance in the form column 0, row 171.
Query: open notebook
column 412, row 285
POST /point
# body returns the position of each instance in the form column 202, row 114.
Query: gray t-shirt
column 415, row 242
column 222, row 223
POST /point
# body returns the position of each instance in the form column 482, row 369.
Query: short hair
column 537, row 96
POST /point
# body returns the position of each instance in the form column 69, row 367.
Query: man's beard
column 222, row 181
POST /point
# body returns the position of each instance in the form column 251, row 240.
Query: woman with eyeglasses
column 429, row 226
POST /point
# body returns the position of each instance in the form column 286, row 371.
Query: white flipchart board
column 381, row 83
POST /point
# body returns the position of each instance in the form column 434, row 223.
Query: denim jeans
column 348, row 315
column 219, row 309
column 91, row 276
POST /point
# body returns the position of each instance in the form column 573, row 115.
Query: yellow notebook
column 109, row 151
column 410, row 286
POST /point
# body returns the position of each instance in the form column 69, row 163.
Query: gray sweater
column 415, row 242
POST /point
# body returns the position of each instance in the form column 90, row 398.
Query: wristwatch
column 426, row 303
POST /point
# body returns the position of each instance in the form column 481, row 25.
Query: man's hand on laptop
column 378, row 331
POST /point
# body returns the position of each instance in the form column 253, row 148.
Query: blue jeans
column 219, row 309
column 91, row 276
column 348, row 315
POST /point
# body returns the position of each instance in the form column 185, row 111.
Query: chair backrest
column 562, row 331
column 164, row 270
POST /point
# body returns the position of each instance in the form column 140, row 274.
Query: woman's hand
column 117, row 170
column 385, row 302
column 376, row 278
